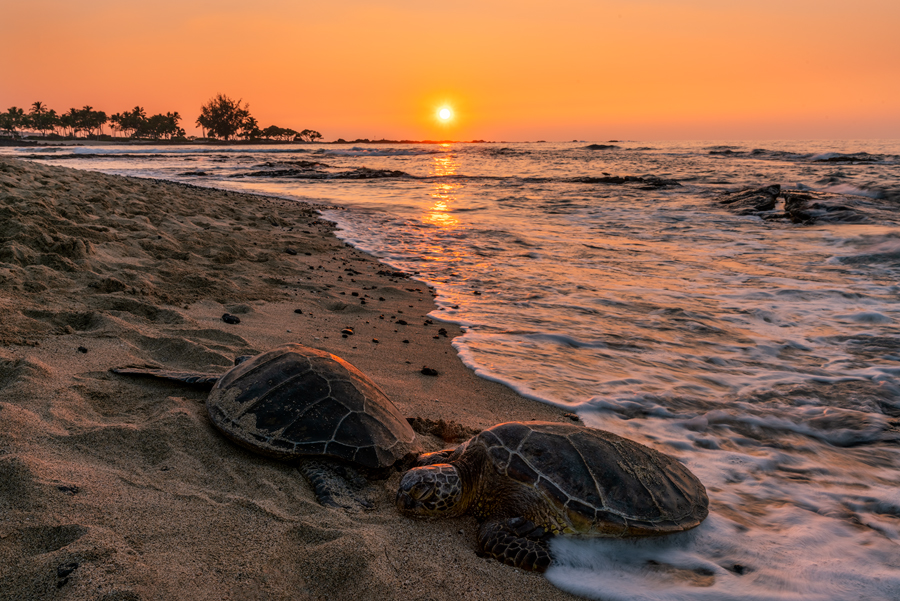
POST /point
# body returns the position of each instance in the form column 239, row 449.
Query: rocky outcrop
column 650, row 182
column 811, row 207
column 807, row 206
column 752, row 201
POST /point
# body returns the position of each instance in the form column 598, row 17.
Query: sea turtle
column 527, row 481
column 296, row 402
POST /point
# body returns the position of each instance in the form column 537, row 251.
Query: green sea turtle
column 527, row 481
column 295, row 402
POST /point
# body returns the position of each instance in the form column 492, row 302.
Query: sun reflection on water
column 443, row 192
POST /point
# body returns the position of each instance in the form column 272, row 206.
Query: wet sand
column 118, row 488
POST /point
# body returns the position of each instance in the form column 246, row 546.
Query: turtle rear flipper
column 334, row 485
column 517, row 542
column 186, row 377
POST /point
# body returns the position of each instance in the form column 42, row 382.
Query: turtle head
column 431, row 491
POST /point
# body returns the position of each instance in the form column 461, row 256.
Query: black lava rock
column 753, row 201
column 232, row 319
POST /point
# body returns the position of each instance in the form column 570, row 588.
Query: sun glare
column 445, row 114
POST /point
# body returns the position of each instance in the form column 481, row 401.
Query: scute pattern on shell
column 603, row 483
column 294, row 401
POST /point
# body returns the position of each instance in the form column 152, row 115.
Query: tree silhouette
column 6, row 123
column 15, row 118
column 41, row 118
column 223, row 117
column 308, row 135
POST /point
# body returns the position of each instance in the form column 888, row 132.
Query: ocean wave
column 837, row 158
column 358, row 151
column 317, row 174
column 853, row 158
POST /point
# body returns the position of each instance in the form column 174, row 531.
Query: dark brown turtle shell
column 601, row 483
column 295, row 401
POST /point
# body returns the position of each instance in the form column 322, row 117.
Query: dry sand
column 119, row 488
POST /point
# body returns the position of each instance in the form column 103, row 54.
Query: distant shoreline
column 213, row 142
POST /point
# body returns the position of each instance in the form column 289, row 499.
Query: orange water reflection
column 443, row 192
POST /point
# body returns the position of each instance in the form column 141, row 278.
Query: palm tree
column 39, row 119
column 71, row 121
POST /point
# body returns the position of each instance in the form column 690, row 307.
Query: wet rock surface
column 806, row 207
column 752, row 201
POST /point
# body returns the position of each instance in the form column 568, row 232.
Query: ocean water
column 762, row 353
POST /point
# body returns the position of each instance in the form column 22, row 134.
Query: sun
column 445, row 114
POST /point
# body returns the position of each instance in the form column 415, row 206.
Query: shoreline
column 127, row 480
column 213, row 142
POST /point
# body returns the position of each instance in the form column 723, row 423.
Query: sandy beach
column 119, row 488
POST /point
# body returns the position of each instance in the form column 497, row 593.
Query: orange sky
column 523, row 70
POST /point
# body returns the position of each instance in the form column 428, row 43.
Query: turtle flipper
column 187, row 377
column 516, row 542
column 435, row 457
column 336, row 486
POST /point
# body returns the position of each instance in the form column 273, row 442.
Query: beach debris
column 428, row 371
column 443, row 332
column 402, row 322
column 572, row 416
column 405, row 341
column 539, row 479
column 375, row 340
column 81, row 349
column 232, row 319
column 299, row 403
column 69, row 490
column 291, row 251
column 298, row 311
column 347, row 331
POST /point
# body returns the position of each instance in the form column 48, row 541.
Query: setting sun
column 445, row 114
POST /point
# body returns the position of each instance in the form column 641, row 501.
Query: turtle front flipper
column 516, row 542
column 434, row 457
column 187, row 377
column 337, row 486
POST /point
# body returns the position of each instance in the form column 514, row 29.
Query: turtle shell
column 296, row 401
column 600, row 483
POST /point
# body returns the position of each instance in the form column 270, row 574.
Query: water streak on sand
column 762, row 353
